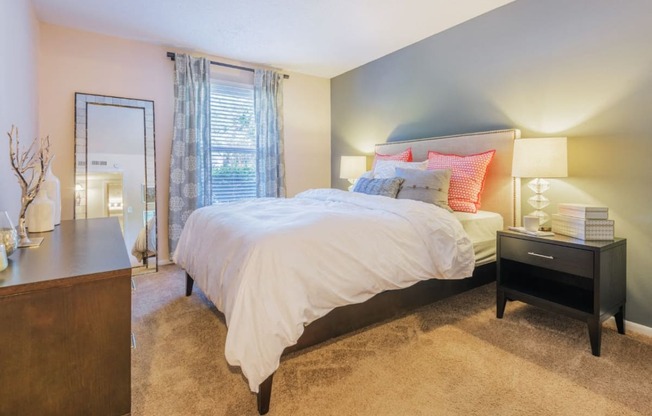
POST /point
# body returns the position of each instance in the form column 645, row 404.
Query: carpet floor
column 450, row 358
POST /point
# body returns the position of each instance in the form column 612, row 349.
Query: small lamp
column 540, row 158
column 351, row 167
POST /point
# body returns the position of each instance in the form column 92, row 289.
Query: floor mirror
column 115, row 171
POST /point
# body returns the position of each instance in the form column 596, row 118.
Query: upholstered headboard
column 498, row 195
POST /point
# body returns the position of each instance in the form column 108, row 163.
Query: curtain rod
column 242, row 68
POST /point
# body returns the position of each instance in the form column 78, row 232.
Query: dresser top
column 82, row 250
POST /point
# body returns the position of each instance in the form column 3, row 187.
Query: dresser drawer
column 550, row 256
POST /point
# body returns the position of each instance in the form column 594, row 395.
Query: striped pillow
column 468, row 174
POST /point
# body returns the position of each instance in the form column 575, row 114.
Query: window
column 233, row 141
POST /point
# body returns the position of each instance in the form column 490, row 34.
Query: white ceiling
column 317, row 37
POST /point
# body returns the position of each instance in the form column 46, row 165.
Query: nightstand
column 585, row 280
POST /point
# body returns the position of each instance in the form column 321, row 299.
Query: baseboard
column 631, row 327
column 638, row 328
column 164, row 262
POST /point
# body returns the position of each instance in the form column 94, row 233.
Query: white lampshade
column 351, row 167
column 540, row 158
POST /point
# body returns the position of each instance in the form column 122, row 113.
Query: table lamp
column 351, row 167
column 539, row 159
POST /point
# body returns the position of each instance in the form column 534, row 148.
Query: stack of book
column 586, row 222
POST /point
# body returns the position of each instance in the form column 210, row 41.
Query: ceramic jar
column 40, row 213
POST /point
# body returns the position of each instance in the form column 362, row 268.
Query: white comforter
column 274, row 265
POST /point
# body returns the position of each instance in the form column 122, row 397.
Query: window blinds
column 233, row 141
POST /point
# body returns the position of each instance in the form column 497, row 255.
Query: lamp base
column 538, row 201
column 352, row 182
column 538, row 185
column 542, row 215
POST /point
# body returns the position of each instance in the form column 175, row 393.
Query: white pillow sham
column 387, row 168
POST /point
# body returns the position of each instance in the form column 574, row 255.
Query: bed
column 267, row 318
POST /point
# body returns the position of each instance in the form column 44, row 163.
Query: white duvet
column 274, row 265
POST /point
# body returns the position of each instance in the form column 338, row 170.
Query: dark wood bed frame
column 501, row 194
column 383, row 306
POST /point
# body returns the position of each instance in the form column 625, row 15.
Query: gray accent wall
column 580, row 69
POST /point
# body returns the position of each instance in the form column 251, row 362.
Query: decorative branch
column 37, row 155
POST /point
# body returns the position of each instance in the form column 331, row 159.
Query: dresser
column 65, row 323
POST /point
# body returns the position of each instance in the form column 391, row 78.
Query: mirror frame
column 82, row 101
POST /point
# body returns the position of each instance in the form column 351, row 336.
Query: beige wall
column 307, row 133
column 18, row 90
column 73, row 61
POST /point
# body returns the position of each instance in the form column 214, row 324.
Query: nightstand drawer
column 550, row 256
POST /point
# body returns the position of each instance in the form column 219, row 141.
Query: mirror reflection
column 115, row 171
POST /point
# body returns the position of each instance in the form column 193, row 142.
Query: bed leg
column 264, row 394
column 189, row 283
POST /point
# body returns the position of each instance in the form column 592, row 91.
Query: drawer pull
column 531, row 253
column 133, row 341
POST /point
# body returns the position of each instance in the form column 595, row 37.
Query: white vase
column 40, row 213
column 52, row 186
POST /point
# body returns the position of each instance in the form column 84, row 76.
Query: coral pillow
column 405, row 156
column 468, row 174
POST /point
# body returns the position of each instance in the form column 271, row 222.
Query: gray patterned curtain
column 268, row 105
column 190, row 175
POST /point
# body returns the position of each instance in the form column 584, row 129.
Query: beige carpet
column 450, row 358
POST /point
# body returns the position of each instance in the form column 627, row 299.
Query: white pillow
column 386, row 168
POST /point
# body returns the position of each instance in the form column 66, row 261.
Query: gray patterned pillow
column 429, row 186
column 385, row 187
